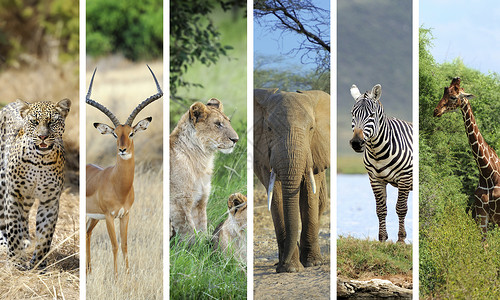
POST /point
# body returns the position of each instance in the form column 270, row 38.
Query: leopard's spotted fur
column 31, row 166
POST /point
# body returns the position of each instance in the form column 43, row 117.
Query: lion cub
column 201, row 131
column 232, row 231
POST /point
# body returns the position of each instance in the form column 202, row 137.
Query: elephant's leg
column 401, row 210
column 379, row 189
column 310, row 254
column 278, row 219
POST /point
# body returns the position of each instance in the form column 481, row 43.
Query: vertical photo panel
column 208, row 150
column 124, row 154
column 374, row 147
column 39, row 149
column 459, row 180
column 291, row 149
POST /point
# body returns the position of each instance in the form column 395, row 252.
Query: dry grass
column 145, row 246
column 120, row 86
column 61, row 281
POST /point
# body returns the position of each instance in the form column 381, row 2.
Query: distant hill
column 374, row 44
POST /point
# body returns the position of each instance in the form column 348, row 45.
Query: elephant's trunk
column 291, row 170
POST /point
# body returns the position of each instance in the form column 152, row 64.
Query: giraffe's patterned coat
column 487, row 194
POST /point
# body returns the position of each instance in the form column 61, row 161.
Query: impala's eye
column 131, row 134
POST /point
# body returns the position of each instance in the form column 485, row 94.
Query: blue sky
column 278, row 43
column 469, row 29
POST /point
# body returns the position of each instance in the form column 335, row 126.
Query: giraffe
column 487, row 194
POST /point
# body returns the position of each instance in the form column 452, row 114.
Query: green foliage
column 454, row 260
column 43, row 29
column 196, row 272
column 356, row 257
column 194, row 37
column 133, row 28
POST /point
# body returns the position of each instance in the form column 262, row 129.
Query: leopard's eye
column 34, row 122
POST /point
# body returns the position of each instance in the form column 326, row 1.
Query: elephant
column 291, row 155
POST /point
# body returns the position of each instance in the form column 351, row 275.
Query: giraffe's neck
column 480, row 148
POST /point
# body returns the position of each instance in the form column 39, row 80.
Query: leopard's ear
column 23, row 107
column 63, row 107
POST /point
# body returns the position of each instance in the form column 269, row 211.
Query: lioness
column 201, row 131
column 232, row 231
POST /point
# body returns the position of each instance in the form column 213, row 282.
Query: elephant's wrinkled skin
column 292, row 138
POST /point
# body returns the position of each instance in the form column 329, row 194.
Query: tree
column 301, row 17
column 193, row 37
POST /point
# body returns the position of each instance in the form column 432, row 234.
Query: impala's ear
column 198, row 112
column 23, row 107
column 63, row 107
column 216, row 104
column 142, row 125
column 104, row 129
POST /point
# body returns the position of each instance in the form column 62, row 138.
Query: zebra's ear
column 376, row 92
column 355, row 92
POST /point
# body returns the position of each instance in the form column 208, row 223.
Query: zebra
column 388, row 154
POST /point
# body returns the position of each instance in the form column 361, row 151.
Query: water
column 356, row 212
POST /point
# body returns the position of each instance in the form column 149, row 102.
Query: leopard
column 230, row 236
column 32, row 165
column 201, row 132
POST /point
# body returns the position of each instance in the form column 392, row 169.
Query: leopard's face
column 44, row 123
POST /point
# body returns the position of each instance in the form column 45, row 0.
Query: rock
column 374, row 288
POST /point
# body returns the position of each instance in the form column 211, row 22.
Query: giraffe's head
column 452, row 98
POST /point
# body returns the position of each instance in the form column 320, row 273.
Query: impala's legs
column 123, row 236
column 91, row 223
column 110, row 225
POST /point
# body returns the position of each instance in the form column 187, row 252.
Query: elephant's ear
column 215, row 103
column 261, row 95
column 320, row 143
column 198, row 112
column 262, row 165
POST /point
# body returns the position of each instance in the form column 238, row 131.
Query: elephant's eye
column 312, row 127
column 268, row 128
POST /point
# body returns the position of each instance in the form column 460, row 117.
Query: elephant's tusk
column 313, row 183
column 272, row 178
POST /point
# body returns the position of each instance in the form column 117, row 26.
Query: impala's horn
column 99, row 106
column 145, row 102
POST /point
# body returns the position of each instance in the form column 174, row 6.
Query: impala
column 110, row 191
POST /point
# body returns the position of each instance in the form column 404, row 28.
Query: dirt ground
column 312, row 283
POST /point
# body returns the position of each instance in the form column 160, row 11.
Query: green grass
column 356, row 257
column 350, row 164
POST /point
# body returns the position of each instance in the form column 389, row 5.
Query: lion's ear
column 216, row 104
column 198, row 112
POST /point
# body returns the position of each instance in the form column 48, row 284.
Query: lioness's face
column 213, row 127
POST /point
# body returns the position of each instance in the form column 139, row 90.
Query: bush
column 133, row 28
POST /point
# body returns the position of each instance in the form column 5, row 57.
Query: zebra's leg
column 379, row 190
column 401, row 210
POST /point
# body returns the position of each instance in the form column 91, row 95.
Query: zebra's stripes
column 388, row 154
